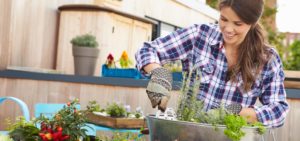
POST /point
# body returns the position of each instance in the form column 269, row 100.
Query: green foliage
column 5, row 138
column 214, row 116
column 122, row 136
column 22, row 130
column 261, row 128
column 234, row 123
column 116, row 110
column 212, row 3
column 70, row 119
column 93, row 106
column 189, row 108
column 86, row 40
column 137, row 115
column 269, row 11
column 293, row 59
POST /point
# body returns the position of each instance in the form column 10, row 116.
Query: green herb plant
column 22, row 130
column 233, row 127
column 191, row 109
column 86, row 40
column 115, row 110
column 93, row 106
column 122, row 136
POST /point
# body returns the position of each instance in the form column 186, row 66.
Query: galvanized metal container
column 170, row 130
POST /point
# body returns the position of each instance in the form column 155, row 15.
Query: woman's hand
column 249, row 114
column 159, row 87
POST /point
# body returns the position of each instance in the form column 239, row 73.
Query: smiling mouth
column 229, row 36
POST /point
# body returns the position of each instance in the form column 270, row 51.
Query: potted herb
column 115, row 116
column 215, row 124
column 85, row 54
column 68, row 124
column 122, row 136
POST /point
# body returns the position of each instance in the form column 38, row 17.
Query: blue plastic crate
column 125, row 73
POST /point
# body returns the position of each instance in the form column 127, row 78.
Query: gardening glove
column 234, row 108
column 159, row 88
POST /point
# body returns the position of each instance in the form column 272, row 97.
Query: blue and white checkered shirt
column 201, row 46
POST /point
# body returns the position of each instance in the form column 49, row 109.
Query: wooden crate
column 127, row 123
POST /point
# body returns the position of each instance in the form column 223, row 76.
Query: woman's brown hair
column 252, row 50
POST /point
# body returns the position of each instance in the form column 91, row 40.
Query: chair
column 48, row 110
column 23, row 106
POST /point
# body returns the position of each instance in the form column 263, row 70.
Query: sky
column 288, row 16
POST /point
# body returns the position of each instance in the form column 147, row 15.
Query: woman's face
column 234, row 30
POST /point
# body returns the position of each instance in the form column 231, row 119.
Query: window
column 162, row 28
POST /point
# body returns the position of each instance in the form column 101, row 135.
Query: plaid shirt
column 201, row 47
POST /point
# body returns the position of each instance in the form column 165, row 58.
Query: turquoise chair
column 23, row 106
column 49, row 110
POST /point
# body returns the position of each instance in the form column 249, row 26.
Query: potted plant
column 215, row 124
column 109, row 69
column 68, row 124
column 115, row 116
column 85, row 54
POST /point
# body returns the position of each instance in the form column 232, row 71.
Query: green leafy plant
column 5, row 138
column 116, row 110
column 93, row 106
column 122, row 136
column 69, row 120
column 86, row 40
column 212, row 3
column 191, row 109
column 234, row 124
column 293, row 58
column 22, row 130
column 66, row 124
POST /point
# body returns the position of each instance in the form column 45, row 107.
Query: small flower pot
column 85, row 60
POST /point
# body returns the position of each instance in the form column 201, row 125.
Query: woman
column 236, row 65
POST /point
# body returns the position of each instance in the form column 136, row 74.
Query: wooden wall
column 29, row 28
column 32, row 92
column 5, row 18
column 29, row 32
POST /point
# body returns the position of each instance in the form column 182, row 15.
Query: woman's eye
column 223, row 19
column 238, row 24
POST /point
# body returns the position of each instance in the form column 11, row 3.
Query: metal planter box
column 168, row 130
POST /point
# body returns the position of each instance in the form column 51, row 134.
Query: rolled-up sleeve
column 172, row 47
column 274, row 107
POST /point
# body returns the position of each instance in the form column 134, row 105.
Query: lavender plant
column 191, row 109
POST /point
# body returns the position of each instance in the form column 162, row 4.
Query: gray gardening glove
column 234, row 108
column 159, row 88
